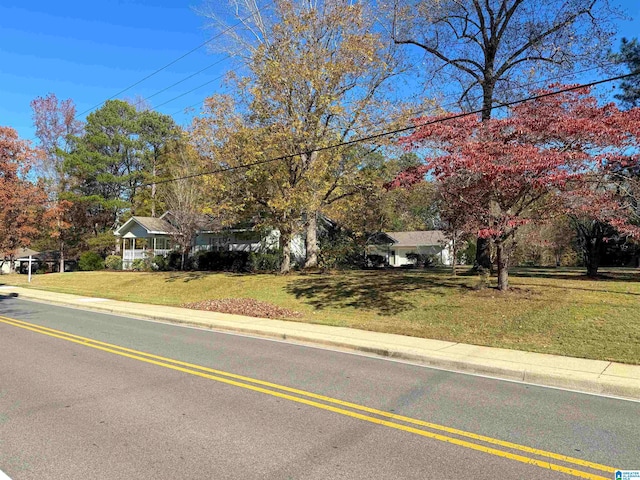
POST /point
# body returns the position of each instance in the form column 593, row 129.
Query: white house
column 20, row 256
column 394, row 246
column 140, row 237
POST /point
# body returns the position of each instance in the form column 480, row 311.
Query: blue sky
column 90, row 50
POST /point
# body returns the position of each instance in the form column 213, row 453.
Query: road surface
column 92, row 396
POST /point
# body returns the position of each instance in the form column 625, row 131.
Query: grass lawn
column 548, row 310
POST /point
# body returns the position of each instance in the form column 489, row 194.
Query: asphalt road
column 241, row 408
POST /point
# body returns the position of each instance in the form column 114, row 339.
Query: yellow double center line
column 334, row 405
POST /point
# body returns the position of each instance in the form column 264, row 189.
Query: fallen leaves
column 244, row 306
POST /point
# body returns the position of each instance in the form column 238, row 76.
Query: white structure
column 394, row 246
column 149, row 236
column 20, row 255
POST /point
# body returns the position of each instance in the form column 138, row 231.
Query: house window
column 393, row 257
column 161, row 243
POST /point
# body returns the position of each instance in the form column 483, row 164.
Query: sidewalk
column 595, row 376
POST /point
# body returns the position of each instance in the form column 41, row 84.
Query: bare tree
column 490, row 49
column 184, row 199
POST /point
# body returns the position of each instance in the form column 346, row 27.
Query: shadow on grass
column 187, row 276
column 566, row 287
column 381, row 292
column 606, row 275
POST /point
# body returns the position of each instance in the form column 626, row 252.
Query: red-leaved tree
column 22, row 203
column 543, row 158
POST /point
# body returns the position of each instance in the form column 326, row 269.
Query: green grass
column 548, row 310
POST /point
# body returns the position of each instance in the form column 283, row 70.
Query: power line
column 396, row 131
column 195, row 49
column 450, row 104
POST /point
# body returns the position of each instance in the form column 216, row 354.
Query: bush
column 376, row 261
column 113, row 262
column 141, row 265
column 223, row 261
column 160, row 262
column 422, row 260
column 90, row 261
column 339, row 249
column 264, row 262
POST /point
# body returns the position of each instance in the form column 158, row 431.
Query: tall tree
column 318, row 71
column 55, row 122
column 22, row 203
column 104, row 165
column 629, row 55
column 540, row 160
column 490, row 49
column 159, row 143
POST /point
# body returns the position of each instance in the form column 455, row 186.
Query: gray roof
column 417, row 238
column 25, row 252
column 153, row 224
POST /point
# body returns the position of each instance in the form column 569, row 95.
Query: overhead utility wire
column 195, row 49
column 449, row 104
column 399, row 130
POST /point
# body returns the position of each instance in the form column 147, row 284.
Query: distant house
column 19, row 255
column 48, row 261
column 140, row 237
column 395, row 246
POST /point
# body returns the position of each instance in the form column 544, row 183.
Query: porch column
column 154, row 246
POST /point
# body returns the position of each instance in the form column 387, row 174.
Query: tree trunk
column 61, row 266
column 311, row 241
column 153, row 191
column 454, row 251
column 483, row 246
column 483, row 254
column 285, row 264
column 592, row 257
column 503, row 267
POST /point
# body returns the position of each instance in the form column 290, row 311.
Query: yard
column 548, row 310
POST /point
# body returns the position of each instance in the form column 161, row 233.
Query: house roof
column 417, row 238
column 153, row 224
column 150, row 224
column 24, row 253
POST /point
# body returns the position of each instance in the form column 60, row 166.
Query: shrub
column 113, row 262
column 223, row 261
column 422, row 260
column 140, row 265
column 160, row 262
column 376, row 261
column 264, row 262
column 339, row 248
column 144, row 264
column 90, row 261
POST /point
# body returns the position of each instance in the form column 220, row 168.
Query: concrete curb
column 589, row 376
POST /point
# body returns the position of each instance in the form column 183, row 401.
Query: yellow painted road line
column 176, row 365
column 433, row 426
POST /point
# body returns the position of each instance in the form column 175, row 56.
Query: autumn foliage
column 558, row 154
column 22, row 203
